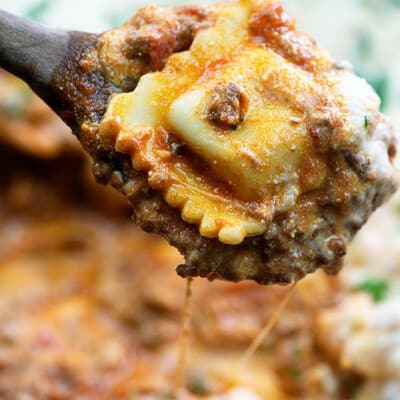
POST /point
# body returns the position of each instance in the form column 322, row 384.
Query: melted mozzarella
column 232, row 179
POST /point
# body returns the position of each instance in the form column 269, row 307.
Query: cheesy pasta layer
column 253, row 121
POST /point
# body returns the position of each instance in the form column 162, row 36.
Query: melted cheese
column 232, row 179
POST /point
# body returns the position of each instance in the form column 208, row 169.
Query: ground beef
column 228, row 105
column 288, row 250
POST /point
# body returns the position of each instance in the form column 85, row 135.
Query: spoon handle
column 31, row 51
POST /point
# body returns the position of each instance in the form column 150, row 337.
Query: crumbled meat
column 272, row 23
column 228, row 105
column 155, row 34
column 292, row 245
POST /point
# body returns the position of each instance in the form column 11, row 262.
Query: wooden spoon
column 38, row 54
column 71, row 71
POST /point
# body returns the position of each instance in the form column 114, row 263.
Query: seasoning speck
column 175, row 148
column 366, row 122
column 375, row 287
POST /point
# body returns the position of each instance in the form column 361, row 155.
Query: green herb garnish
column 198, row 386
column 366, row 122
column 294, row 372
column 175, row 148
column 375, row 287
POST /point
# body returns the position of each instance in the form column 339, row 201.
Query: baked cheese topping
column 242, row 127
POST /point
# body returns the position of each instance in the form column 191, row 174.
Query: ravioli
column 256, row 132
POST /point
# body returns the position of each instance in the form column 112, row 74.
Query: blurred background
column 91, row 308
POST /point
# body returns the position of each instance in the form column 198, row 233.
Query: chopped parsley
column 352, row 388
column 175, row 148
column 375, row 287
column 38, row 10
column 366, row 122
column 197, row 386
column 294, row 372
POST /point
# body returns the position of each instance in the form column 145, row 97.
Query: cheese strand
column 184, row 340
column 255, row 344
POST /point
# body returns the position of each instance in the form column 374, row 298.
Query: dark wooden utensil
column 71, row 73
column 67, row 70
column 31, row 51
column 38, row 54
